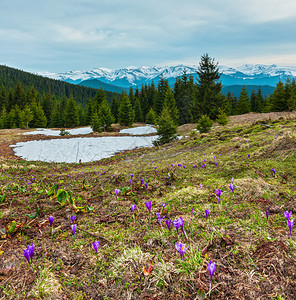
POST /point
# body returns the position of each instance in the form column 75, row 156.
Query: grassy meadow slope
column 255, row 257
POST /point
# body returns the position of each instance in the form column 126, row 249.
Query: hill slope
column 140, row 256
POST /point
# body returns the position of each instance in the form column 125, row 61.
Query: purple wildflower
column 182, row 223
column 211, row 268
column 219, row 200
column 148, row 205
column 207, row 212
column 117, row 191
column 31, row 249
column 142, row 181
column 273, row 170
column 163, row 206
column 218, row 192
column 146, row 185
column 72, row 218
column 290, row 225
column 159, row 218
column 177, row 224
column 181, row 249
column 267, row 215
column 74, row 227
column 287, row 214
column 27, row 256
column 50, row 220
column 168, row 223
column 96, row 245
column 133, row 206
column 249, row 155
column 231, row 186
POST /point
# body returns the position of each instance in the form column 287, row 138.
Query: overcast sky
column 64, row 35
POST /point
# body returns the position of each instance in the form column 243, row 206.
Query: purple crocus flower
column 132, row 175
column 117, row 191
column 192, row 212
column 159, row 218
column 31, row 249
column 211, row 268
column 74, row 227
column 182, row 223
column 168, row 223
column 290, row 223
column 207, row 211
column 96, row 245
column 218, row 192
column 177, row 224
column 219, row 200
column 172, row 165
column 273, row 170
column 146, row 185
column 130, row 181
column 287, row 214
column 50, row 220
column 181, row 249
column 249, row 155
column 163, row 206
column 142, row 181
column 194, row 166
column 267, row 215
column 148, row 205
column 72, row 218
column 231, row 186
column 133, row 206
column 27, row 255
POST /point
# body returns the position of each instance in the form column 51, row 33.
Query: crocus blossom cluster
column 28, row 254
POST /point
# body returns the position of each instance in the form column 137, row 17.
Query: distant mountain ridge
column 256, row 75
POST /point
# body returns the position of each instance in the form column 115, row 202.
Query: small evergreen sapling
column 204, row 124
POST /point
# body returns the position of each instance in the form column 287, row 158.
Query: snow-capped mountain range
column 137, row 76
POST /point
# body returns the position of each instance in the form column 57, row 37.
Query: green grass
column 236, row 236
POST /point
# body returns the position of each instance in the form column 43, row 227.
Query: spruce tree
column 253, row 102
column 114, row 108
column 167, row 129
column 162, row 87
column 243, row 103
column 151, row 117
column 96, row 124
column 56, row 120
column 106, row 118
column 170, row 103
column 138, row 111
column 71, row 113
column 125, row 112
column 278, row 99
column 39, row 120
column 209, row 95
column 26, row 116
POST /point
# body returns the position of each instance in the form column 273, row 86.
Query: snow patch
column 75, row 149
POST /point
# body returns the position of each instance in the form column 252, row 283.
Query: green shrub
column 222, row 118
column 204, row 124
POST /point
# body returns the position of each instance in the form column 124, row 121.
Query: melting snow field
column 86, row 149
column 141, row 130
column 51, row 132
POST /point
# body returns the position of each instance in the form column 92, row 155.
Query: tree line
column 186, row 102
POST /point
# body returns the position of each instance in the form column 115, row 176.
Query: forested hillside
column 28, row 100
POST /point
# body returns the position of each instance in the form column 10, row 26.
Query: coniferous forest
column 28, row 100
